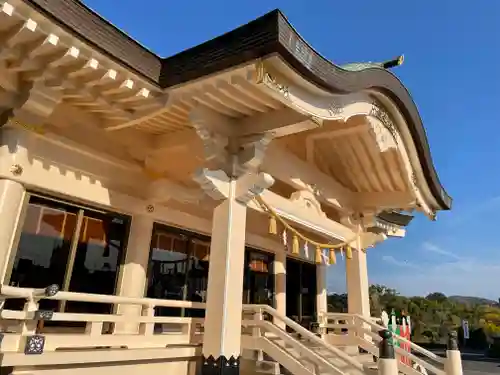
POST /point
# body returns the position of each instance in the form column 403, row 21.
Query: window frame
column 75, row 239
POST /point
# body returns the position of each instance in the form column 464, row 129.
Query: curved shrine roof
column 268, row 35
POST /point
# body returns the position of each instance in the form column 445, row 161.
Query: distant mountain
column 473, row 300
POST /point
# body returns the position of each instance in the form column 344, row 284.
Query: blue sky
column 451, row 50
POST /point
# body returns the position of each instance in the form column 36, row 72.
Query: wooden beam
column 294, row 171
column 304, row 217
column 384, row 200
column 137, row 118
column 287, row 167
column 173, row 142
column 281, row 123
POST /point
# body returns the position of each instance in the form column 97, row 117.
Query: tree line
column 433, row 316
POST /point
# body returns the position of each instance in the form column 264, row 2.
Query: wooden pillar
column 221, row 344
column 358, row 298
column 12, row 197
column 222, row 337
column 321, row 292
column 133, row 274
column 280, row 286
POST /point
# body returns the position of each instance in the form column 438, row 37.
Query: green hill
column 468, row 300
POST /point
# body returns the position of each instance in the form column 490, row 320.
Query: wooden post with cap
column 453, row 364
column 387, row 364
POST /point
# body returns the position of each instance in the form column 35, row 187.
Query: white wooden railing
column 34, row 331
column 277, row 342
column 352, row 329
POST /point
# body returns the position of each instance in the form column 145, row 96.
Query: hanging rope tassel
column 318, row 259
column 348, row 252
column 333, row 258
column 273, row 225
column 295, row 245
column 297, row 236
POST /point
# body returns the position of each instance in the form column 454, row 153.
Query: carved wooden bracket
column 217, row 184
column 226, row 150
column 30, row 107
column 307, row 200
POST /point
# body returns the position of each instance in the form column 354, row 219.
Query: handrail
column 31, row 293
column 414, row 346
column 400, row 351
column 300, row 347
column 409, row 355
column 97, row 318
column 307, row 334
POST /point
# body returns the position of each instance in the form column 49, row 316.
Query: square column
column 279, row 269
column 222, row 337
column 321, row 292
column 133, row 274
column 358, row 299
column 12, row 198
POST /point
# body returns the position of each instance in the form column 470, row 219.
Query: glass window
column 44, row 247
column 168, row 268
column 301, row 306
column 51, row 252
column 259, row 278
column 308, row 289
column 178, row 269
column 98, row 256
column 197, row 281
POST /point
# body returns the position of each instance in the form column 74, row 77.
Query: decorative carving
column 34, row 344
column 150, row 208
column 206, row 122
column 221, row 365
column 231, row 158
column 251, row 154
column 214, row 146
column 384, row 138
column 279, row 87
column 213, row 183
column 380, row 114
column 51, row 290
column 307, row 200
column 251, row 185
column 263, row 76
column 16, row 170
column 43, row 314
column 335, row 108
column 413, row 178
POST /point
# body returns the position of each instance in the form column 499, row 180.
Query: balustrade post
column 34, row 342
column 29, row 326
column 453, row 364
column 147, row 329
column 387, row 363
column 257, row 332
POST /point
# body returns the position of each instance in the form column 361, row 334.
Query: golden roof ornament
column 355, row 67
